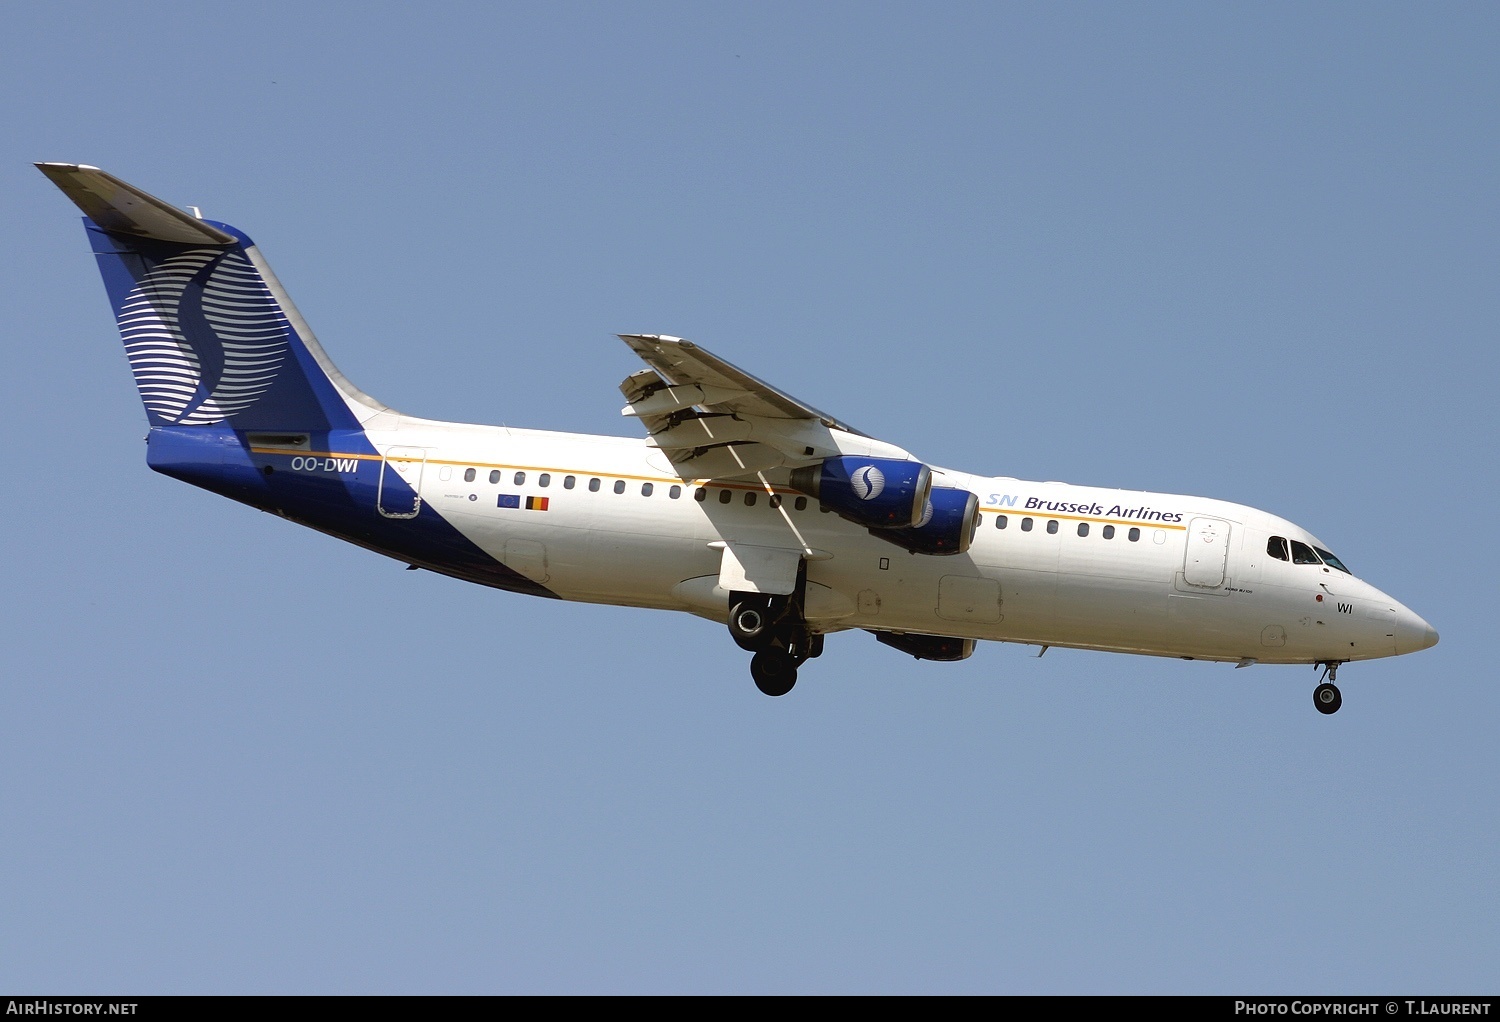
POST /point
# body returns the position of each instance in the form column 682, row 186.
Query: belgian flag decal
column 514, row 500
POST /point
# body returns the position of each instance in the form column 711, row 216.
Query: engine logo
column 867, row 482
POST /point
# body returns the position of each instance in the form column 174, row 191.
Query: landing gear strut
column 773, row 628
column 1326, row 697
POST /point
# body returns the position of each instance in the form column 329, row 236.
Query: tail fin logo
column 204, row 336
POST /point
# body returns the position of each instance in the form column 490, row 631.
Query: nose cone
column 1412, row 633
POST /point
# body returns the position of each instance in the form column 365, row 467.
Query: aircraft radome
column 743, row 505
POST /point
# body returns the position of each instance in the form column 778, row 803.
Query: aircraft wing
column 713, row 420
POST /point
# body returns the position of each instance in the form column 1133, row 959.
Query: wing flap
column 713, row 420
column 680, row 362
column 732, row 461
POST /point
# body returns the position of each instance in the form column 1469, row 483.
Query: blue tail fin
column 212, row 338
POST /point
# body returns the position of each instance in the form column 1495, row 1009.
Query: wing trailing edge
column 713, row 420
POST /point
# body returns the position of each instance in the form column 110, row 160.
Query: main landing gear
column 773, row 628
column 774, row 671
column 1326, row 697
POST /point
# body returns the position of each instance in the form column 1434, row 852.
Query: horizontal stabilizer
column 120, row 208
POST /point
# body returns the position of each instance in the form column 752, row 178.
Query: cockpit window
column 1332, row 561
column 1303, row 554
column 1277, row 548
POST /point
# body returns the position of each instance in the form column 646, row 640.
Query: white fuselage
column 606, row 520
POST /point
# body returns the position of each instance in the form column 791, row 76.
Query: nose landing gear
column 1326, row 697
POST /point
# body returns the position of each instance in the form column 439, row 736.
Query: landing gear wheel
column 774, row 672
column 1327, row 698
column 750, row 623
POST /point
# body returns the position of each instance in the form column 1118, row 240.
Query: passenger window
column 750, row 498
column 1052, row 527
column 593, row 485
column 675, row 492
column 1276, row 547
column 468, row 475
column 494, row 476
column 520, row 478
column 1302, row 554
column 646, row 489
column 774, row 500
column 568, row 482
column 1083, row 528
column 1001, row 521
column 1025, row 524
column 545, row 479
column 800, row 504
column 619, row 486
column 1109, row 532
column 700, row 494
column 725, row 496
column 1134, row 535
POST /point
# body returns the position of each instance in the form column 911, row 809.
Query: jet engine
column 878, row 493
column 947, row 527
column 928, row 647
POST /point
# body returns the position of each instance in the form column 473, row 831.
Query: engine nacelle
column 929, row 647
column 878, row 493
column 947, row 527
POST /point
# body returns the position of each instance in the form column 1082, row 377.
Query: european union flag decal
column 514, row 500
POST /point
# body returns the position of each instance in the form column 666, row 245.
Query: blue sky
column 1246, row 252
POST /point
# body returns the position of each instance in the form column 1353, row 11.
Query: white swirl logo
column 205, row 338
column 867, row 482
column 926, row 515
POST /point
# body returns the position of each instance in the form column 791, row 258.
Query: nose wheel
column 1326, row 697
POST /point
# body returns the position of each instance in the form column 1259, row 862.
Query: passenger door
column 400, row 491
column 1207, row 553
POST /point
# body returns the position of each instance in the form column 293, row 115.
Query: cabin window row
column 544, row 480
column 1027, row 524
column 751, row 498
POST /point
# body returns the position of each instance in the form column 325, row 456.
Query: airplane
column 743, row 505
